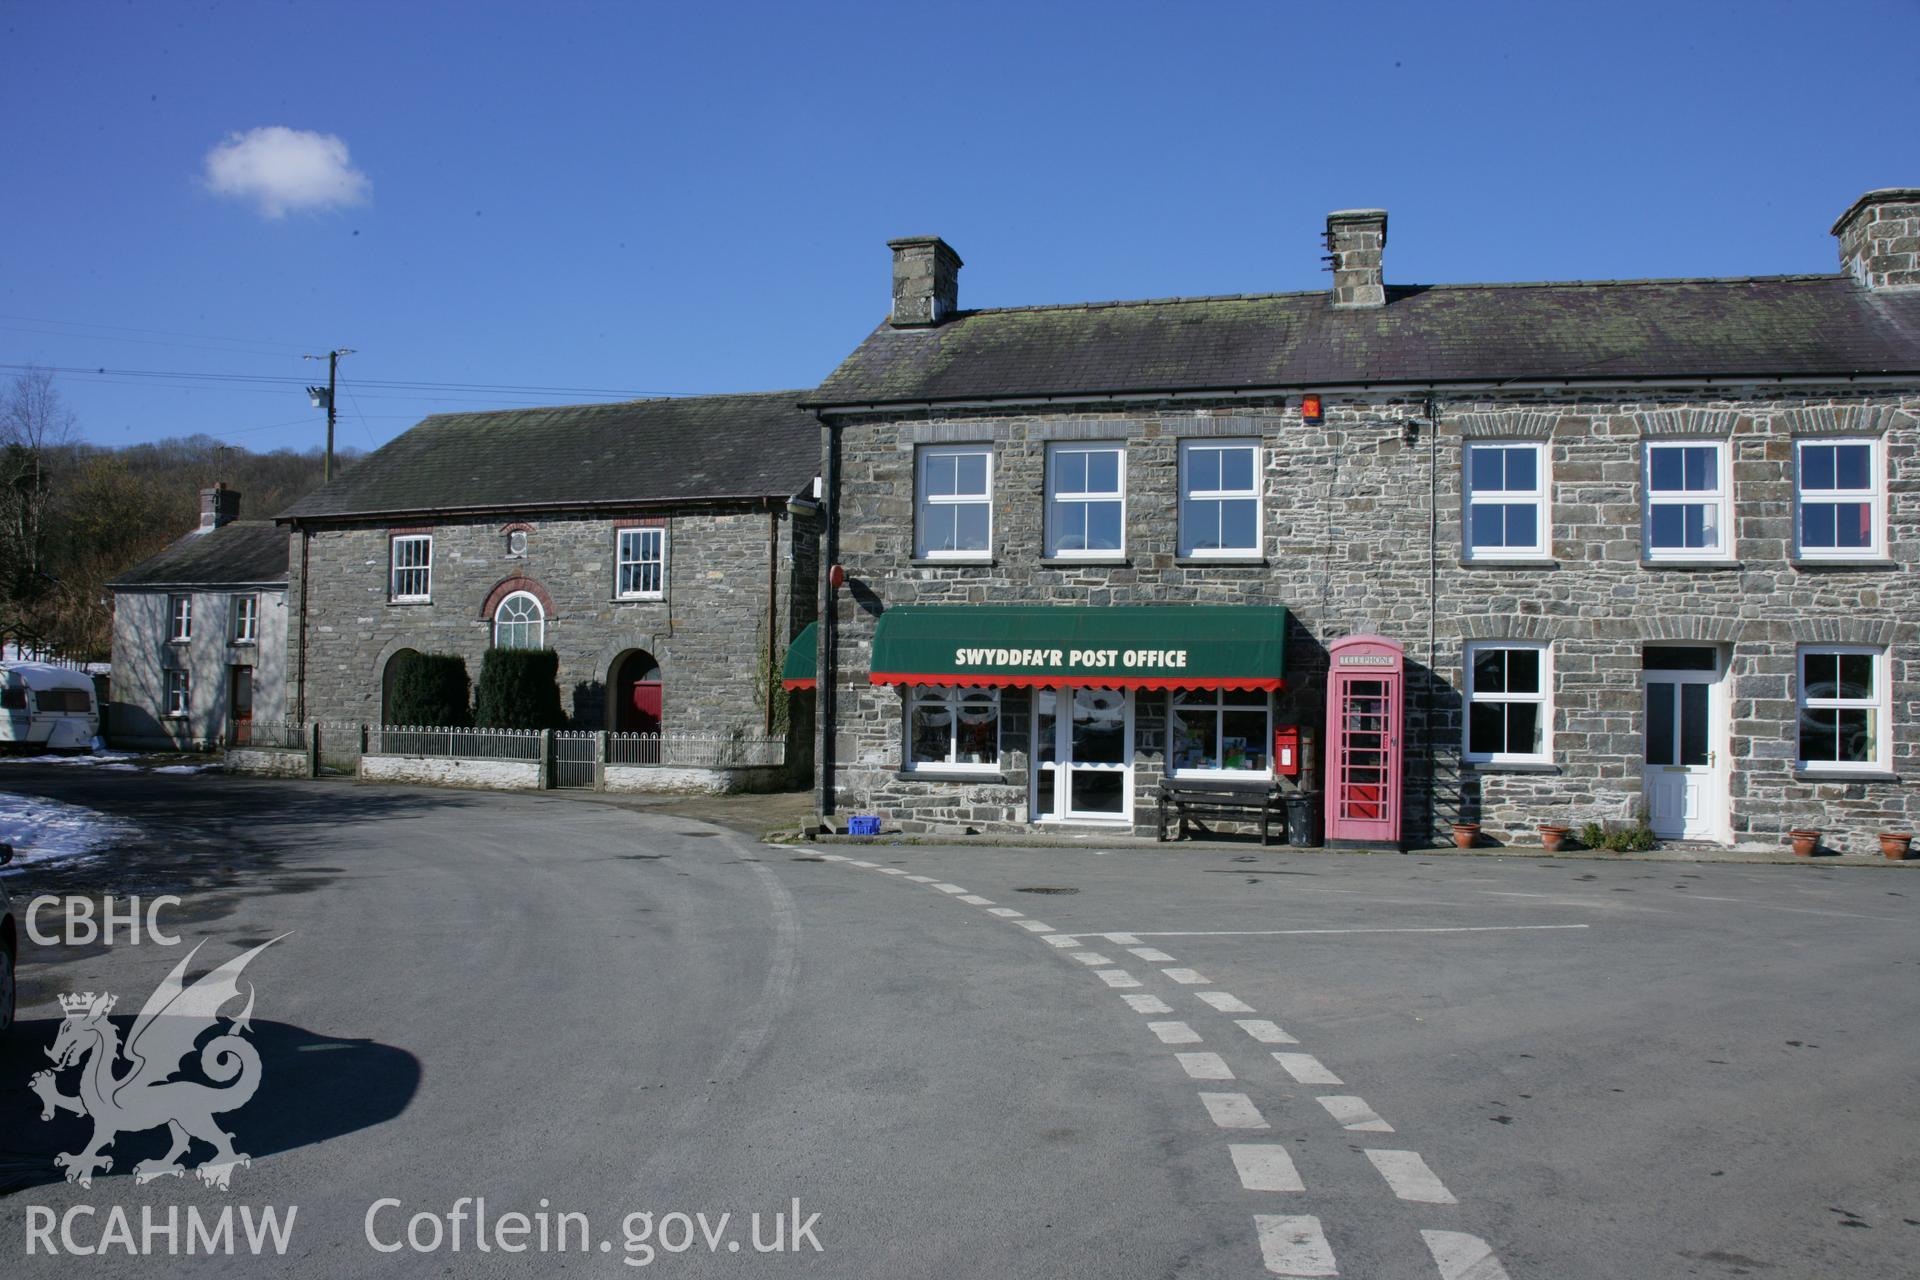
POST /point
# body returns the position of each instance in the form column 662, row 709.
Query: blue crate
column 863, row 824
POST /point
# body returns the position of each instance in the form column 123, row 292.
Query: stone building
column 667, row 550
column 1631, row 549
column 200, row 634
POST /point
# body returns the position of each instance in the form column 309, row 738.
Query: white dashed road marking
column 866, row 865
column 891, row 871
column 1007, row 912
column 1148, row 1004
column 1407, row 1174
column 1461, row 928
column 1354, row 1113
column 1263, row 1031
column 949, row 888
column 976, row 900
column 1121, row 939
column 1225, row 1003
column 1265, row 1167
column 1187, row 977
column 1036, row 926
column 921, row 879
column 1205, row 1066
column 1462, row 1257
column 1233, row 1111
column 1174, row 1032
column 1063, row 940
column 1091, row 957
column 1121, row 978
column 1306, row 1068
column 1294, row 1245
column 1151, row 955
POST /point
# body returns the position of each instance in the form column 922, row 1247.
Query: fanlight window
column 519, row 623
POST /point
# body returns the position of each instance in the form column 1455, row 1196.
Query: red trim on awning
column 989, row 680
column 807, row 683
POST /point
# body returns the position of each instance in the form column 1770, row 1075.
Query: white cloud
column 283, row 169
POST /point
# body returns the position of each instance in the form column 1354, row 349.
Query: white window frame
column 924, row 500
column 951, row 696
column 1224, row 700
column 246, row 619
column 1720, row 498
column 630, row 551
column 1875, row 496
column 1544, row 699
column 423, row 569
column 538, row 622
column 177, row 689
column 1539, row 498
column 1188, row 494
column 1880, row 705
column 179, row 618
column 1055, row 501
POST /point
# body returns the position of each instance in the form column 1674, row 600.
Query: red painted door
column 1364, row 687
column 647, row 705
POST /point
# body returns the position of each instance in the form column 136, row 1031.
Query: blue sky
column 639, row 199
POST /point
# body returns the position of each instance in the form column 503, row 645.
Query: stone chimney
column 218, row 505
column 1356, row 243
column 926, row 281
column 1880, row 238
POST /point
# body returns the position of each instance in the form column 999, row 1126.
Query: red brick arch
column 507, row 586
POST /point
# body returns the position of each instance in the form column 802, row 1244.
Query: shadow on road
column 312, row 1088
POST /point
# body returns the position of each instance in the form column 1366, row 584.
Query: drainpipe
column 1433, row 606
column 300, row 690
column 826, row 683
column 773, row 607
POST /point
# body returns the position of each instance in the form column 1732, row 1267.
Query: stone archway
column 635, row 693
column 386, row 681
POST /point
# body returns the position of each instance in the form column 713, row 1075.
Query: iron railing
column 695, row 751
column 455, row 744
column 286, row 735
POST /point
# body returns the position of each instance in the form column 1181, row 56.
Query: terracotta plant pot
column 1804, row 842
column 1552, row 837
column 1895, row 845
column 1466, row 834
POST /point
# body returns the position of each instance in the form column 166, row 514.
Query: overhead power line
column 244, row 379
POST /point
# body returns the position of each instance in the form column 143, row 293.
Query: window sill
column 243, row 644
column 638, row 599
column 989, row 776
column 1089, row 562
column 1695, row 565
column 1509, row 562
column 1518, row 766
column 180, row 640
column 1817, row 563
column 947, row 562
column 1220, row 562
column 1803, row 774
column 409, row 601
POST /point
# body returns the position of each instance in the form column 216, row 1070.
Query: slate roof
column 1594, row 330
column 243, row 553
column 589, row 455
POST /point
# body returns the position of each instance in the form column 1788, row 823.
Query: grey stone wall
column 709, row 634
column 1363, row 533
column 1880, row 239
column 137, row 717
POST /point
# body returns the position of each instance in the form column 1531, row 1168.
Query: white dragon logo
column 175, row 1017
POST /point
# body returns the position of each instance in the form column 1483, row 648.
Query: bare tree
column 33, row 424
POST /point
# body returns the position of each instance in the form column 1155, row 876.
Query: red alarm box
column 1286, row 750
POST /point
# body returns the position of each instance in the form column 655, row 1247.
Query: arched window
column 519, row 623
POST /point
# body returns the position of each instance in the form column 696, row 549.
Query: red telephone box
column 1365, row 678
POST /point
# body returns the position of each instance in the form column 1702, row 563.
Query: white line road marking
column 869, row 866
column 833, row 857
column 1121, row 939
column 1407, row 1174
column 1187, row 977
column 1265, row 1032
column 1285, row 933
column 1121, row 978
column 1294, row 1245
column 1151, row 956
column 891, row 871
column 1233, row 1111
column 1174, row 1032
column 1205, row 1066
column 1036, row 926
column 1224, row 1002
column 1091, row 957
column 1007, row 912
column 1147, row 1004
column 1354, row 1113
column 949, row 888
column 1306, row 1068
column 1265, row 1166
column 1462, row 1257
column 976, row 900
column 921, row 879
column 1063, row 940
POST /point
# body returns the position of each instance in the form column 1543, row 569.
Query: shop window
column 1086, row 500
column 953, row 728
column 1219, row 731
column 412, row 560
column 1689, row 498
column 642, row 563
column 1509, row 708
column 1219, row 498
column 519, row 623
column 1843, row 708
column 1506, row 500
column 1841, row 495
column 179, row 619
column 953, row 511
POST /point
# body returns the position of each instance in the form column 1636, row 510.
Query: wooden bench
column 1190, row 799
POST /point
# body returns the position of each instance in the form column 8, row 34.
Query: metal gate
column 573, row 754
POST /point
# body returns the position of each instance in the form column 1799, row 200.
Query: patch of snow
column 42, row 830
column 97, row 758
column 182, row 768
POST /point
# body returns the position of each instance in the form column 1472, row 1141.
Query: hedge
column 429, row 689
column 519, row 689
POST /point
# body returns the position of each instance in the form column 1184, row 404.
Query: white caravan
column 46, row 707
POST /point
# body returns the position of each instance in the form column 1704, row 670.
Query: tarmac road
column 1585, row 1069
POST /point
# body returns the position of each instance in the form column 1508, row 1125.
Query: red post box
column 1286, row 751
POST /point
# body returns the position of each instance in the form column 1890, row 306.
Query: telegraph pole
column 323, row 397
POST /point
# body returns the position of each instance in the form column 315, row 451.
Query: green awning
column 1127, row 647
column 799, row 671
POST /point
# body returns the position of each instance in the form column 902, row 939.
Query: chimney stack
column 1356, row 243
column 926, row 281
column 1880, row 239
column 218, row 505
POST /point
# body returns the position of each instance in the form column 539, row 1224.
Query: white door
column 1685, row 780
column 1082, row 755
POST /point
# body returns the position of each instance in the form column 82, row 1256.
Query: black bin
column 1303, row 820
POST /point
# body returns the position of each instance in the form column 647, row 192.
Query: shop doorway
column 638, row 704
column 1082, row 755
column 1684, row 778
